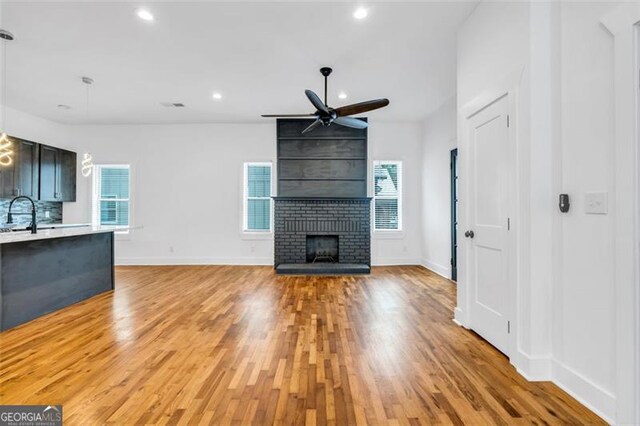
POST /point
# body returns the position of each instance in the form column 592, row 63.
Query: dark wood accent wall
column 326, row 162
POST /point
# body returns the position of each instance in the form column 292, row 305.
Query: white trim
column 534, row 368
column 255, row 234
column 621, row 23
column 387, row 234
column 589, row 394
column 387, row 261
column 460, row 318
column 391, row 233
column 143, row 261
column 393, row 261
column 95, row 197
column 434, row 267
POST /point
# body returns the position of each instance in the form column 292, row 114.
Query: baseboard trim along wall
column 443, row 271
column 395, row 261
column 155, row 261
column 592, row 396
column 257, row 261
column 533, row 368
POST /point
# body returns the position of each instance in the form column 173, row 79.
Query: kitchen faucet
column 33, row 227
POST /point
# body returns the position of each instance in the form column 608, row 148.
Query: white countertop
column 60, row 232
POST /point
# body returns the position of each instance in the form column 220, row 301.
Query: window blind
column 387, row 195
column 257, row 197
column 111, row 203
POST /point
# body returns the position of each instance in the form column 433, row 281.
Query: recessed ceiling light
column 342, row 95
column 360, row 13
column 217, row 96
column 144, row 14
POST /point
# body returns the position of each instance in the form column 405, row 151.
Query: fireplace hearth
column 322, row 236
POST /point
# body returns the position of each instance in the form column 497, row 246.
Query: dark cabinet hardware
column 469, row 234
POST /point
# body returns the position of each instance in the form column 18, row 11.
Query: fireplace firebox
column 323, row 248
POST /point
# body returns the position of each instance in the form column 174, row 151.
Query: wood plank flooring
column 240, row 345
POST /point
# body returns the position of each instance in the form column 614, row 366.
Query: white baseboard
column 395, row 261
column 194, row 261
column 441, row 270
column 237, row 261
column 533, row 368
column 459, row 317
column 589, row 394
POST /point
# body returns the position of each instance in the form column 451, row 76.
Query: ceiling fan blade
column 361, row 107
column 316, row 101
column 351, row 122
column 287, row 115
column 312, row 126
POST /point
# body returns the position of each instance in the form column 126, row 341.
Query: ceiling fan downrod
column 326, row 72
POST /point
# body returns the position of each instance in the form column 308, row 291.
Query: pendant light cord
column 86, row 111
column 4, row 86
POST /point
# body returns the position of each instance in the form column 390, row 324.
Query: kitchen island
column 41, row 273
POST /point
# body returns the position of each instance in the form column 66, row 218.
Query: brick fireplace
column 322, row 212
column 296, row 219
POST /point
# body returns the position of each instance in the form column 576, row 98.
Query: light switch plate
column 595, row 203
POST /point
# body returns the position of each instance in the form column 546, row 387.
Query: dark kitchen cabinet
column 21, row 177
column 27, row 168
column 57, row 174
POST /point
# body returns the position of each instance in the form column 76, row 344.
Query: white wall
column 187, row 186
column 399, row 141
column 439, row 137
column 584, row 329
column 561, row 60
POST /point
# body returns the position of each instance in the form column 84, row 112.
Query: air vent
column 172, row 104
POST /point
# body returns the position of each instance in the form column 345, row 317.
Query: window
column 387, row 195
column 111, row 200
column 257, row 197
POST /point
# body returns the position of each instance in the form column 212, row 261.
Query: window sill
column 249, row 235
column 388, row 235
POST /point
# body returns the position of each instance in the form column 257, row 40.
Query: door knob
column 469, row 234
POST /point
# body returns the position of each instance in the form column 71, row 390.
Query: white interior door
column 488, row 223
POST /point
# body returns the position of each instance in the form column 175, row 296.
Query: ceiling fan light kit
column 325, row 115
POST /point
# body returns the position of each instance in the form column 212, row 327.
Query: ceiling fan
column 325, row 115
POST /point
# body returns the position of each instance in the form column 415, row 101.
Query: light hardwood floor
column 235, row 344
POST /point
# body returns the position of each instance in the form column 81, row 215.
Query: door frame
column 623, row 23
column 506, row 86
column 453, row 175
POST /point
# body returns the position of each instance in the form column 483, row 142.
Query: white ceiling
column 260, row 56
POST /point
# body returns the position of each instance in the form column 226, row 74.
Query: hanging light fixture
column 6, row 151
column 87, row 161
column 87, row 165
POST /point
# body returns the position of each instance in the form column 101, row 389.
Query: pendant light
column 87, row 161
column 6, row 151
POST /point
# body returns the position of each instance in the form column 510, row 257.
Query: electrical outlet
column 170, row 249
column 47, row 214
